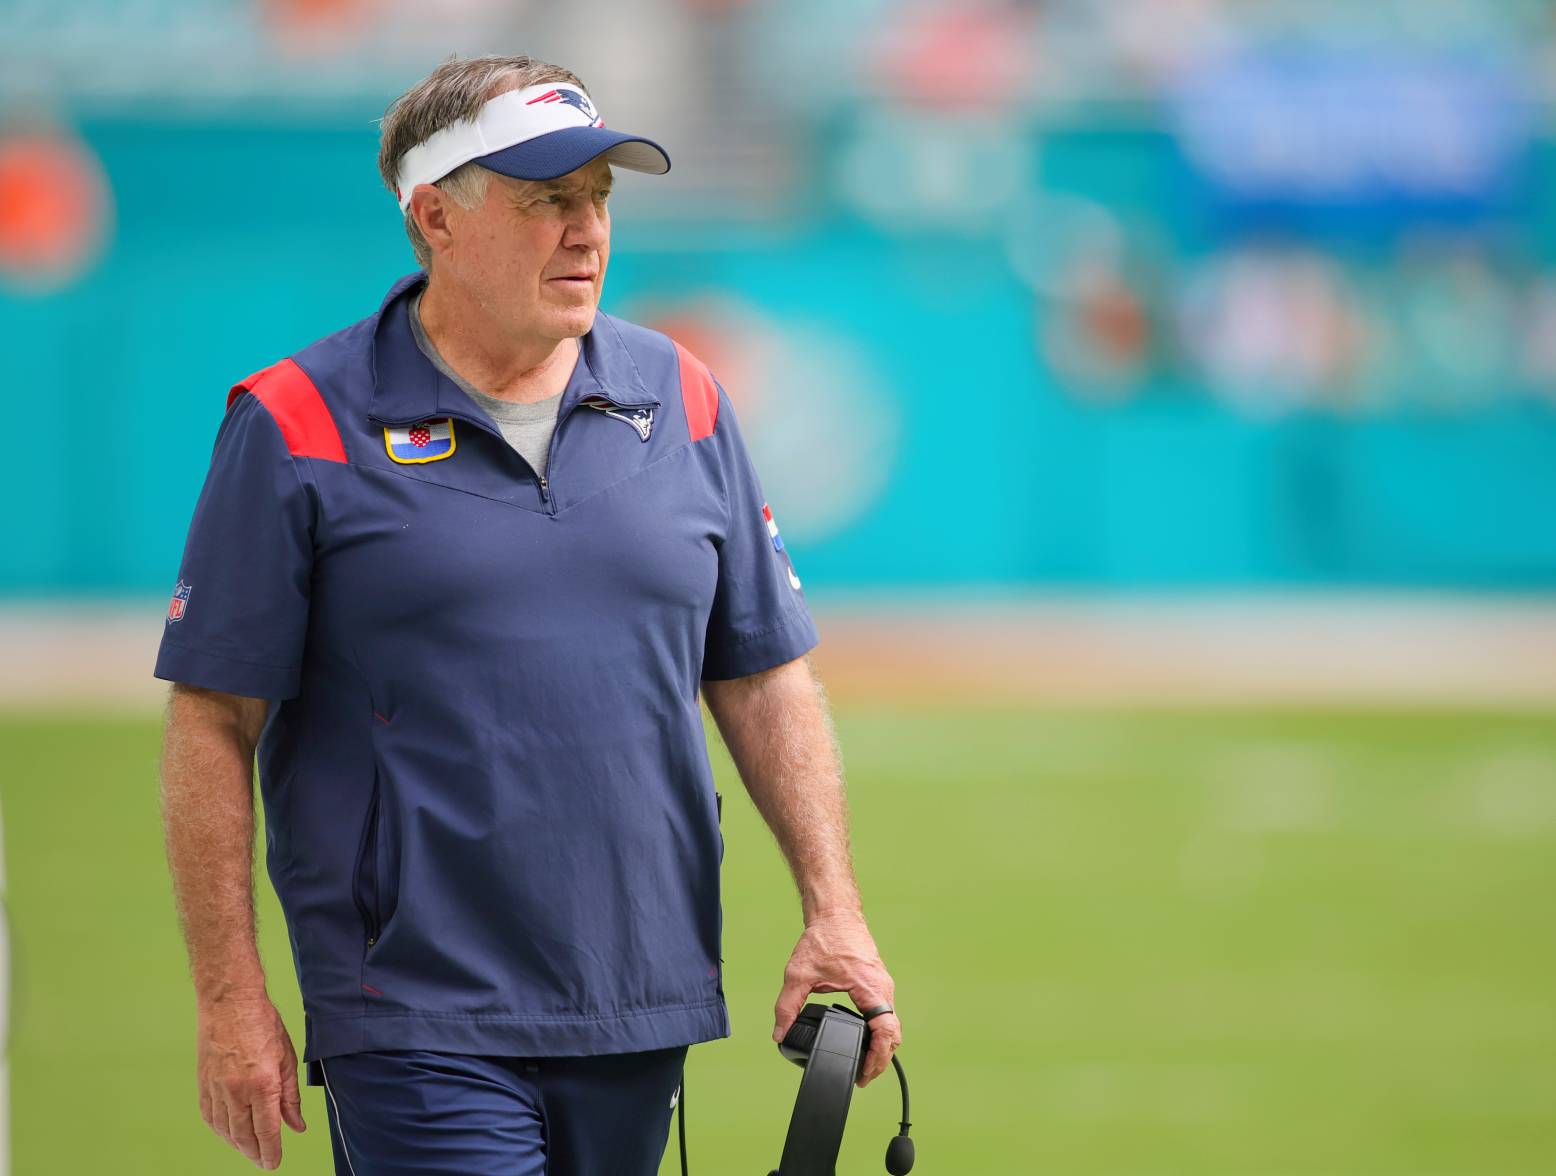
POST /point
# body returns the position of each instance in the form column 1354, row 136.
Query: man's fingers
column 240, row 1120
column 214, row 1109
column 871, row 989
column 790, row 1001
column 267, row 1127
column 291, row 1100
column 875, row 1063
column 222, row 1116
column 885, row 1029
column 885, row 1037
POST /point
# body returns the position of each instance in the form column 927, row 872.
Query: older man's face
column 535, row 251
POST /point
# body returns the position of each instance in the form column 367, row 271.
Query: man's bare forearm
column 779, row 732
column 208, row 825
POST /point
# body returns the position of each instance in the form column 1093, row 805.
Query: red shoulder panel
column 305, row 420
column 699, row 394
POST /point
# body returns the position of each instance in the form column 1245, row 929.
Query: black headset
column 829, row 1042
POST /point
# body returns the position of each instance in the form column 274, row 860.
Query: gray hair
column 453, row 93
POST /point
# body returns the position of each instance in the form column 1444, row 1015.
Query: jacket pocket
column 366, row 886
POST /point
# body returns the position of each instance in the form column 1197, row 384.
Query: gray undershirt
column 528, row 427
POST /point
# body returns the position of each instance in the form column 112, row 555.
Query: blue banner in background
column 926, row 409
column 1340, row 142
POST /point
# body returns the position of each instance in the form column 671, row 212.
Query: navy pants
column 415, row 1112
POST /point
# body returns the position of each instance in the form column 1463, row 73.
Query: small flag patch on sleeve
column 772, row 533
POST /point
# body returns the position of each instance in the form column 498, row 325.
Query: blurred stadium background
column 1159, row 399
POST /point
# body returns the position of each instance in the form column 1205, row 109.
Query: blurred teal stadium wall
column 236, row 242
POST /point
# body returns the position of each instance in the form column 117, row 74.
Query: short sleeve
column 759, row 618
column 239, row 612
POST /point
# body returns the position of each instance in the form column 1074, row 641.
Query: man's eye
column 552, row 199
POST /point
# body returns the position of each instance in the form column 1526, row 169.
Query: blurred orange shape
column 53, row 198
column 307, row 27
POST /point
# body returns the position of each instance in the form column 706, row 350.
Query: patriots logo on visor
column 572, row 98
column 429, row 440
column 772, row 533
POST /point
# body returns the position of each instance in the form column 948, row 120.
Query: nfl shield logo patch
column 176, row 606
column 430, row 440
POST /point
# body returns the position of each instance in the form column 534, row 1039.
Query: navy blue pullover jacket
column 490, row 815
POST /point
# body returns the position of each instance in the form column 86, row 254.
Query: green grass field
column 1199, row 943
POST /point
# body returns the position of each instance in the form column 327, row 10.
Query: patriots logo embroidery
column 640, row 418
column 430, row 440
column 570, row 98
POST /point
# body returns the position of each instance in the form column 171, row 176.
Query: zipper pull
column 544, row 486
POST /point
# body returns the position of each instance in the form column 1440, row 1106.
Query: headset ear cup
column 831, row 1039
column 798, row 1042
column 800, row 1038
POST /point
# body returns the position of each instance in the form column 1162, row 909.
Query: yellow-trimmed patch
column 428, row 440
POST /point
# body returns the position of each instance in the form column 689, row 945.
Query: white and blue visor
column 538, row 133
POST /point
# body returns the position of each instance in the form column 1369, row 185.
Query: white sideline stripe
column 1323, row 648
column 339, row 1124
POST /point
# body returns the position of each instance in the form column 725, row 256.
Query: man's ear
column 431, row 208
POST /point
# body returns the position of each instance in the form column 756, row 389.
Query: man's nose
column 588, row 226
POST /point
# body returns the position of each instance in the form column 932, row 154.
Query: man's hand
column 837, row 954
column 248, row 1076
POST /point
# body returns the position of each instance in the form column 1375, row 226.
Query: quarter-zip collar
column 408, row 387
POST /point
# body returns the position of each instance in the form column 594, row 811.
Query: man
column 458, row 573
